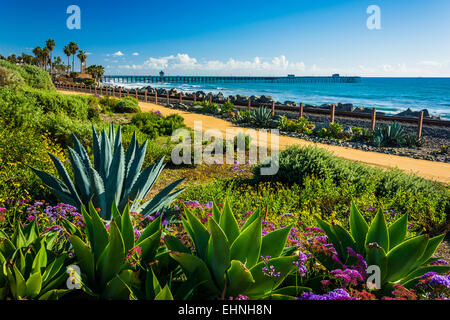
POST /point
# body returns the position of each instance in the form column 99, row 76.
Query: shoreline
column 431, row 170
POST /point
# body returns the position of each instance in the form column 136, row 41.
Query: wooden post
column 195, row 97
column 249, row 104
column 210, row 98
column 95, row 90
column 181, row 98
column 114, row 92
column 90, row 89
column 168, row 97
column 128, row 92
column 273, row 108
column 136, row 91
column 228, row 99
column 145, row 95
column 120, row 93
column 333, row 107
column 301, row 110
column 419, row 127
column 156, row 96
column 374, row 119
column 100, row 90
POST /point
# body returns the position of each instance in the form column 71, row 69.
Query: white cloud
column 118, row 54
column 183, row 64
column 135, row 53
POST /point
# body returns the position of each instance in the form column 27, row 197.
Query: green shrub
column 127, row 105
column 302, row 125
column 155, row 124
column 10, row 78
column 427, row 202
column 332, row 131
column 108, row 103
column 227, row 107
column 389, row 135
column 33, row 76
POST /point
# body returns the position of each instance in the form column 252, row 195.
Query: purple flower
column 337, row 294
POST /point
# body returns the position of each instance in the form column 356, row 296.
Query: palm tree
column 45, row 54
column 96, row 71
column 51, row 45
column 68, row 54
column 73, row 50
column 38, row 54
column 83, row 57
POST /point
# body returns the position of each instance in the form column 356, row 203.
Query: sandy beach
column 431, row 170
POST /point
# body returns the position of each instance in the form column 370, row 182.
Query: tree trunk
column 73, row 63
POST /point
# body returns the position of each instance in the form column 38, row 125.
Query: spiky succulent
column 261, row 116
column 116, row 176
column 389, row 135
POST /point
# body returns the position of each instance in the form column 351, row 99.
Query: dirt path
column 431, row 170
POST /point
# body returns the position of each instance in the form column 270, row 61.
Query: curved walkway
column 432, row 170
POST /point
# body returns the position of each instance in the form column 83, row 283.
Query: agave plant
column 102, row 259
column 29, row 268
column 230, row 260
column 391, row 135
column 115, row 177
column 261, row 116
column 400, row 260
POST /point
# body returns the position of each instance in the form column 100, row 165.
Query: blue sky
column 317, row 37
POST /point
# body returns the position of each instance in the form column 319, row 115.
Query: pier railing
column 168, row 98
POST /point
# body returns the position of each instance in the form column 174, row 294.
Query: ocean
column 390, row 95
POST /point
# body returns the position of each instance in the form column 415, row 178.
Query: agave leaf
column 162, row 200
column 273, row 243
column 58, row 187
column 417, row 273
column 99, row 194
column 194, row 267
column 264, row 284
column 239, row 278
column 33, row 285
column 397, row 231
column 85, row 257
column 116, row 175
column 40, row 260
column 252, row 218
column 198, row 233
column 52, row 270
column 127, row 230
column 66, row 178
column 149, row 247
column 378, row 232
column 105, row 156
column 344, row 238
column 377, row 256
column 432, row 245
column 97, row 149
column 247, row 246
column 81, row 152
column 81, row 175
column 325, row 226
column 228, row 223
column 165, row 294
column 358, row 228
column 174, row 244
column 216, row 212
column 135, row 167
column 218, row 253
column 403, row 257
column 99, row 236
column 150, row 229
column 111, row 261
column 132, row 148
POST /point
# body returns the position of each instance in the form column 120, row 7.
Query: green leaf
column 165, row 294
column 358, row 228
column 174, row 244
column 377, row 256
column 432, row 245
column 403, row 257
column 265, row 284
column 378, row 232
column 326, row 227
column 344, row 237
column 218, row 254
column 228, row 223
column 85, row 257
column 99, row 239
column 200, row 234
column 113, row 257
column 149, row 247
column 20, row 285
column 194, row 267
column 127, row 229
column 397, row 231
column 150, row 229
column 33, row 285
column 247, row 247
column 216, row 212
column 417, row 273
column 239, row 278
column 273, row 243
column 252, row 218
